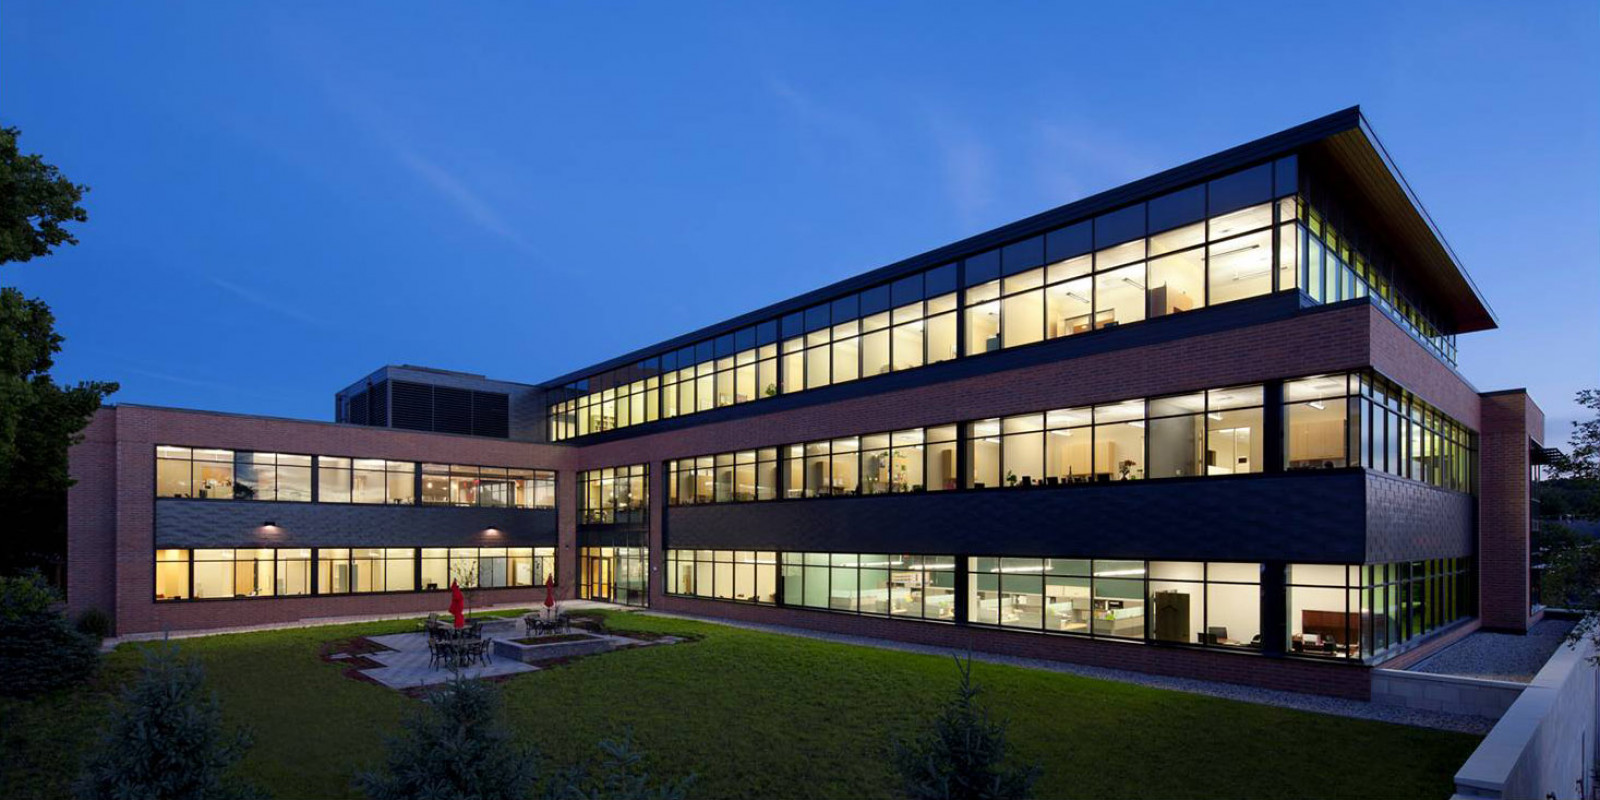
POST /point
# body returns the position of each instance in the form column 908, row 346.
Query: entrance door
column 598, row 577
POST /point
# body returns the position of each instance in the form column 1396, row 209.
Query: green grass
column 762, row 715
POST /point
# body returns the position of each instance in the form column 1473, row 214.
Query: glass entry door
column 614, row 574
column 596, row 575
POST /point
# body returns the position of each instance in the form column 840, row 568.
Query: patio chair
column 433, row 652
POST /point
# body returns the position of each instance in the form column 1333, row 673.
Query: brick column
column 92, row 518
column 1511, row 425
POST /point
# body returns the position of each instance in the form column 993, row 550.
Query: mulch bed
column 354, row 652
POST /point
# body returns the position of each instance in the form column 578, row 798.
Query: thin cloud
column 264, row 302
column 462, row 196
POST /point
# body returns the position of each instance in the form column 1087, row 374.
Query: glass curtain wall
column 1218, row 432
column 286, row 572
column 614, row 495
column 1365, row 420
column 749, row 576
column 1241, row 235
column 217, row 474
column 880, row 584
column 1334, row 267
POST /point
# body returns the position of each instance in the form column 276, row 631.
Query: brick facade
column 113, row 525
column 1512, row 425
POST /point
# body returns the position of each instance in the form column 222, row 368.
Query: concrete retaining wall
column 1479, row 697
column 1544, row 745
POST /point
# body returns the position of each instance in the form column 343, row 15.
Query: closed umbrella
column 550, row 591
column 458, row 603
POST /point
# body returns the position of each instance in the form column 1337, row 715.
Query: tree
column 964, row 755
column 39, row 420
column 39, row 650
column 621, row 774
column 35, row 199
column 1582, row 459
column 165, row 738
column 457, row 746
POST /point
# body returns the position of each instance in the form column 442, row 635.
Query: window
column 1077, row 596
column 494, row 487
column 892, row 585
column 203, row 473
column 902, row 325
column 271, row 476
column 376, row 481
column 1334, row 266
column 172, row 574
column 1324, row 610
column 1104, row 273
column 1316, row 419
column 1363, row 419
column 1209, row 604
column 744, row 575
column 333, row 479
column 614, row 495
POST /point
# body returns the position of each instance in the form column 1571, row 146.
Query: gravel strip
column 1302, row 702
column 1500, row 656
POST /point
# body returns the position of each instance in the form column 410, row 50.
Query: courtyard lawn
column 762, row 715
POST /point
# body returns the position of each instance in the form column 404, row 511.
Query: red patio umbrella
column 458, row 603
column 549, row 591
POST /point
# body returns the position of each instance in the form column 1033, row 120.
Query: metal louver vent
column 378, row 404
column 356, row 406
column 491, row 414
column 413, row 406
column 452, row 410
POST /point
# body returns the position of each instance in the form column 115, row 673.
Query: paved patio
column 405, row 663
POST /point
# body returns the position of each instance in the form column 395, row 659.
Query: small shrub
column 27, row 597
column 165, row 738
column 620, row 775
column 457, row 746
column 39, row 650
column 964, row 756
column 94, row 622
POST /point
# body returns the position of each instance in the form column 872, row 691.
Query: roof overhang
column 1355, row 157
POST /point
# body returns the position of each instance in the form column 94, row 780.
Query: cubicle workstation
column 1215, row 604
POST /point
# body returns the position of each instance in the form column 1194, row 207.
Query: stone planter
column 588, row 645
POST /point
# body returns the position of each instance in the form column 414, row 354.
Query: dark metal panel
column 206, row 523
column 1407, row 520
column 1294, row 517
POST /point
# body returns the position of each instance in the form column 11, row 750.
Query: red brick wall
column 1403, row 360
column 92, row 518
column 1511, row 422
column 1340, row 680
column 129, row 500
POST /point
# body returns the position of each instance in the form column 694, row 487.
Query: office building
column 1208, row 423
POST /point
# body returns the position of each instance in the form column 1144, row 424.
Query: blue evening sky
column 289, row 195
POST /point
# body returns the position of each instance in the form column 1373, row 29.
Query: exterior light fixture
column 269, row 524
